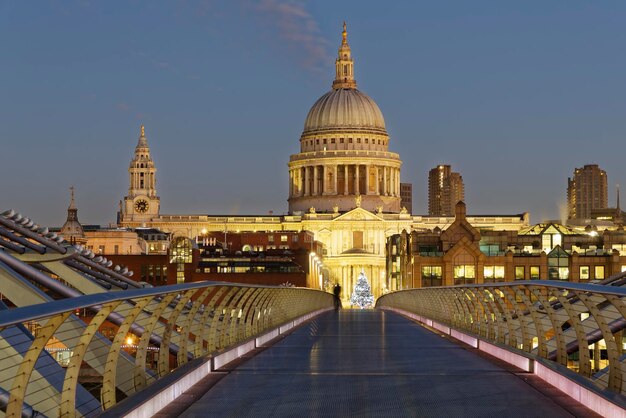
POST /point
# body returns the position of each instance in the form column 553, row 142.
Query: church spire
column 344, row 65
column 72, row 230
column 72, row 203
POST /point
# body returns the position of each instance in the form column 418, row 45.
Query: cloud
column 300, row 29
column 123, row 107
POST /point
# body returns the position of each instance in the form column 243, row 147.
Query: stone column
column 397, row 182
column 307, row 187
column 377, row 187
column 345, row 180
column 291, row 179
column 356, row 179
column 336, row 174
column 315, row 182
column 367, row 179
column 385, row 188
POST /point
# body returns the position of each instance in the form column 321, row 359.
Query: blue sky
column 514, row 95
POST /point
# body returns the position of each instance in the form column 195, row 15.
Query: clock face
column 141, row 206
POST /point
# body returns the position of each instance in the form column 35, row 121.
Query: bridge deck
column 372, row 363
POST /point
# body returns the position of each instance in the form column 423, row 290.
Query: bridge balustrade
column 561, row 322
column 42, row 355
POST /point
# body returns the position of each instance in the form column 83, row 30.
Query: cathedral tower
column 344, row 160
column 142, row 202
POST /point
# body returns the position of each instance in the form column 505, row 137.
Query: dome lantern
column 344, row 65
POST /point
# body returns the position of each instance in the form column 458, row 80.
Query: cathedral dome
column 344, row 108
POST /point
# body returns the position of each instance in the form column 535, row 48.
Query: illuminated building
column 586, row 191
column 344, row 190
column 464, row 254
column 445, row 190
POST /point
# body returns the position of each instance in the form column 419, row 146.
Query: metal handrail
column 199, row 319
column 553, row 320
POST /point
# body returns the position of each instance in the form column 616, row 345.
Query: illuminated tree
column 362, row 294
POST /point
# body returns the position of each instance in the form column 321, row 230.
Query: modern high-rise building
column 445, row 190
column 586, row 191
column 406, row 196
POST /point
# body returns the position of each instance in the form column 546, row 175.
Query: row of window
column 466, row 274
column 156, row 275
column 283, row 238
column 341, row 141
column 102, row 249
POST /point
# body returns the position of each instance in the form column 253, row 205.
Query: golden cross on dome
column 143, row 131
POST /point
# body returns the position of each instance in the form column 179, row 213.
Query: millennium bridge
column 79, row 337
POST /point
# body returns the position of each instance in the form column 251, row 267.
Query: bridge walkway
column 377, row 364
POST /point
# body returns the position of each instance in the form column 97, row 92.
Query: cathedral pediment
column 358, row 214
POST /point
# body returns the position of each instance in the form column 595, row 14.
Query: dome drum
column 327, row 204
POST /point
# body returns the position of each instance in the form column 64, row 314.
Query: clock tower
column 142, row 203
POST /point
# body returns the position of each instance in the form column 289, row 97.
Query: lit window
column 534, row 272
column 599, row 272
column 283, row 238
column 584, row 272
column 464, row 274
column 431, row 276
column 519, row 272
column 494, row 273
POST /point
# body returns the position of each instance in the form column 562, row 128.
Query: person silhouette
column 337, row 293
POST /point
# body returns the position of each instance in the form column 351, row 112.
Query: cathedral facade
column 344, row 187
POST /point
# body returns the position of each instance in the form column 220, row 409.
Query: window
column 349, row 140
column 324, row 141
column 332, row 141
column 341, row 140
column 490, row 249
column 431, row 276
column 101, row 250
column 294, row 238
column 599, row 272
column 464, row 274
column 358, row 140
column 558, row 264
column 270, row 238
column 494, row 273
column 584, row 272
column 283, row 238
column 519, row 272
column 534, row 272
column 116, row 249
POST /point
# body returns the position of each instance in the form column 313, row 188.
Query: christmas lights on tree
column 362, row 295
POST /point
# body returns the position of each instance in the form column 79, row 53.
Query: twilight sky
column 514, row 95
